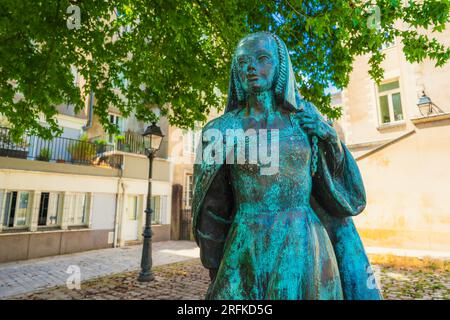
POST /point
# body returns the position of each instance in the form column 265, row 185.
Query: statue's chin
column 256, row 89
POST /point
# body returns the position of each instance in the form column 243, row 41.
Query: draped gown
column 283, row 236
column 277, row 248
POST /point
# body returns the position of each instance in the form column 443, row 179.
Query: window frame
column 389, row 94
column 191, row 139
column 156, row 206
column 86, row 209
column 6, row 210
column 188, row 190
column 135, row 200
column 119, row 120
column 53, row 204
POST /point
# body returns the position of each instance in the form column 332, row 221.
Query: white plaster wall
column 159, row 188
column 104, row 189
column 49, row 181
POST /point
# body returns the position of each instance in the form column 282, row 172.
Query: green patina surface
column 288, row 234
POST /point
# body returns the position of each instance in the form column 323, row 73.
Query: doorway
column 131, row 223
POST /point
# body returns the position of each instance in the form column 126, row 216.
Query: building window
column 390, row 104
column 159, row 207
column 49, row 208
column 188, row 187
column 156, row 207
column 191, row 139
column 122, row 29
column 78, row 209
column 74, row 72
column 16, row 209
column 132, row 208
column 118, row 121
column 388, row 45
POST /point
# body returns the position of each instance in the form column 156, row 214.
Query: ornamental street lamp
column 152, row 141
column 426, row 106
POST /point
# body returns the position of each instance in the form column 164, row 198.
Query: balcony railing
column 128, row 141
column 132, row 142
column 61, row 150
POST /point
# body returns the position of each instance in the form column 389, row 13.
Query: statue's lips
column 252, row 78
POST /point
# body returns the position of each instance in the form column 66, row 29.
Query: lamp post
column 152, row 142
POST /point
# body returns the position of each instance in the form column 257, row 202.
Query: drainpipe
column 90, row 112
column 91, row 106
column 116, row 216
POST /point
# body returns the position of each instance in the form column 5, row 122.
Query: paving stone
column 189, row 280
column 112, row 274
column 32, row 275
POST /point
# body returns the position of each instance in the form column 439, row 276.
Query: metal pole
column 146, row 274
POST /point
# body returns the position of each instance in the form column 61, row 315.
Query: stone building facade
column 403, row 154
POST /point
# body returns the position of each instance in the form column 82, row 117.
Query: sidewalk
column 32, row 275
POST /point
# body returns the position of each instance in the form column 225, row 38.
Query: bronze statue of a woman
column 288, row 234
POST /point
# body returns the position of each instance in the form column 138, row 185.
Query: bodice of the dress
column 276, row 247
column 289, row 187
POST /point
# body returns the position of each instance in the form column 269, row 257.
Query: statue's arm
column 314, row 124
column 333, row 151
column 337, row 185
column 214, row 220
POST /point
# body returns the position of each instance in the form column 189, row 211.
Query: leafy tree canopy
column 179, row 51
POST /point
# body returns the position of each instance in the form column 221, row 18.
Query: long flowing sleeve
column 213, row 218
column 337, row 185
column 212, row 203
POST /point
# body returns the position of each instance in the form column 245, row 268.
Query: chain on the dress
column 315, row 152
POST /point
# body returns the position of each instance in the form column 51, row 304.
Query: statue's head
column 261, row 62
column 256, row 62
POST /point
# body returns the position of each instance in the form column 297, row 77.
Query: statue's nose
column 251, row 66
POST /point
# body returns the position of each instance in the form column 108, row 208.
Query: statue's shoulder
column 305, row 105
column 308, row 107
column 228, row 120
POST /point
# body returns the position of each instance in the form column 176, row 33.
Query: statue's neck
column 261, row 104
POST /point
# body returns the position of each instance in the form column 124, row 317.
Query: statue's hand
column 314, row 125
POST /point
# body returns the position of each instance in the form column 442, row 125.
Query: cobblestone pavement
column 31, row 275
column 189, row 280
column 182, row 280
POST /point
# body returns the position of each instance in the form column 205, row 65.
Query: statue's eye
column 263, row 58
column 242, row 62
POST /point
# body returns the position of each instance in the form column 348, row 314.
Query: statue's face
column 257, row 59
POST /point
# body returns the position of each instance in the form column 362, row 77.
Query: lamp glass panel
column 156, row 141
column 425, row 109
column 147, row 142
